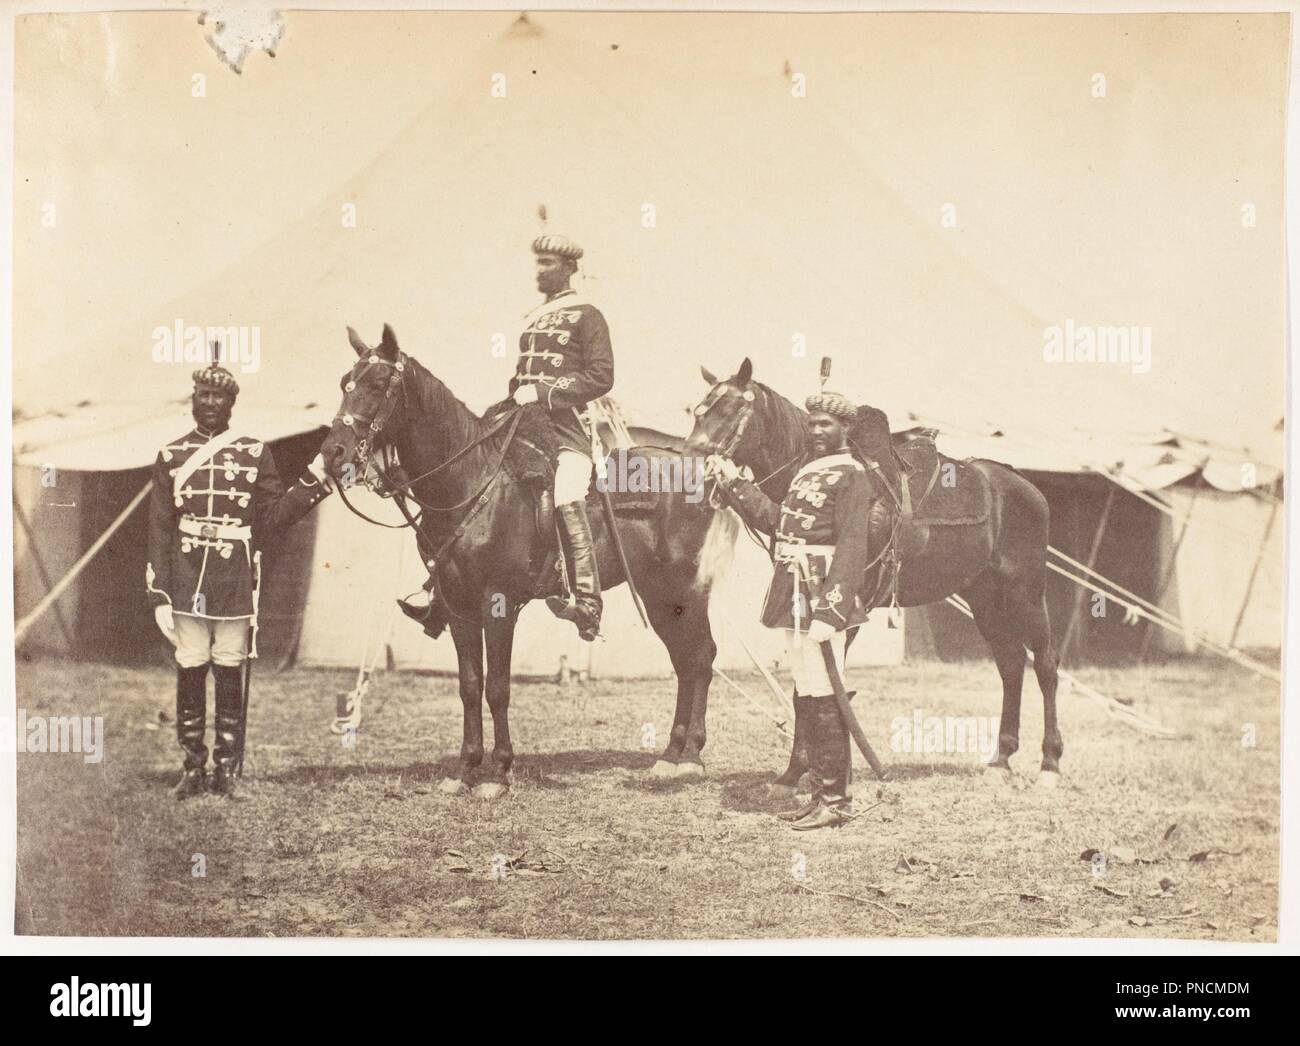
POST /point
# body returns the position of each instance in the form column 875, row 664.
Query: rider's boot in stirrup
column 584, row 606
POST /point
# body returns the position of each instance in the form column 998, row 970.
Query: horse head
column 722, row 418
column 374, row 398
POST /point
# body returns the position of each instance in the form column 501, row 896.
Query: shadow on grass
column 746, row 792
column 919, row 771
column 539, row 770
column 586, row 761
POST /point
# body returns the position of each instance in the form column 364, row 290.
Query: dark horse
column 999, row 569
column 480, row 522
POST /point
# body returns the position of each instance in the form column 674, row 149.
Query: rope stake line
column 1137, row 607
column 1128, row 716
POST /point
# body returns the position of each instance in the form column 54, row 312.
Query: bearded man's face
column 211, row 408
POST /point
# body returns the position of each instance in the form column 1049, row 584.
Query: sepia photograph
column 674, row 476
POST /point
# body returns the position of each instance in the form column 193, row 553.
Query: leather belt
column 789, row 550
column 795, row 556
column 225, row 531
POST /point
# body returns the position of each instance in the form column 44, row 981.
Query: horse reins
column 726, row 448
column 887, row 557
column 401, row 491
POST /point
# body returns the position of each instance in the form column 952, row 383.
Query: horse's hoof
column 997, row 776
column 663, row 768
column 490, row 790
column 452, row 786
column 780, row 792
column 690, row 771
column 1048, row 780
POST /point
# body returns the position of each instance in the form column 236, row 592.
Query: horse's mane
column 442, row 415
column 785, row 426
column 432, row 395
column 529, row 458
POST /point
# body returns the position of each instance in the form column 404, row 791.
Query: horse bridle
column 396, row 384
column 401, row 491
column 727, row 447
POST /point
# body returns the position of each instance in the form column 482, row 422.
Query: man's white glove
column 820, row 631
column 317, row 468
column 526, row 394
column 166, row 622
column 723, row 468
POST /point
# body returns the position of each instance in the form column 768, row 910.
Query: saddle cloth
column 639, row 477
column 945, row 492
column 939, row 490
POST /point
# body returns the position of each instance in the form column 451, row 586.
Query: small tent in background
column 1188, row 526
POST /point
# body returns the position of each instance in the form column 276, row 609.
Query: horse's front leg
column 468, row 638
column 500, row 636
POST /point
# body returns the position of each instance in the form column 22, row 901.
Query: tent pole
column 1169, row 570
column 1254, row 573
column 40, row 569
column 20, row 630
column 1092, row 562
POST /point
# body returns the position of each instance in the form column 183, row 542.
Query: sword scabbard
column 846, row 712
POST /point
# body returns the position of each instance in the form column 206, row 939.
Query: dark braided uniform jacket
column 820, row 546
column 565, row 352
column 203, row 538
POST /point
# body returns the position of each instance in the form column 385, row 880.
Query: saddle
column 919, row 488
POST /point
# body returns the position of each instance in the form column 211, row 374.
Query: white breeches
column 807, row 664
column 223, row 641
column 572, row 477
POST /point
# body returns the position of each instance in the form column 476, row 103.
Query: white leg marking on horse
column 996, row 776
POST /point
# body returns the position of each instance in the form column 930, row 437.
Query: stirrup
column 565, row 607
column 414, row 611
column 427, row 616
column 569, row 610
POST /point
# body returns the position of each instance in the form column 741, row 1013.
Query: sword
column 598, row 460
column 846, row 712
column 243, row 717
column 251, row 647
column 622, row 555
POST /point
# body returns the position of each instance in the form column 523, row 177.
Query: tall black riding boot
column 800, row 759
column 830, row 767
column 583, row 609
column 228, row 746
column 191, row 724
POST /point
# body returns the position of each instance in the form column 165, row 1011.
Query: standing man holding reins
column 565, row 362
column 820, row 554
column 216, row 499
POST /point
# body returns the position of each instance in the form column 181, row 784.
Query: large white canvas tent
column 332, row 583
column 817, row 224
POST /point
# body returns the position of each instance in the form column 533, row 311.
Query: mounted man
column 819, row 554
column 565, row 362
column 216, row 498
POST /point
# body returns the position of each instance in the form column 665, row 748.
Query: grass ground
column 330, row 840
